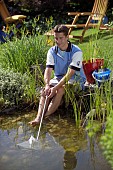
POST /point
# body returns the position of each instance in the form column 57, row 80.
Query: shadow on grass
column 92, row 34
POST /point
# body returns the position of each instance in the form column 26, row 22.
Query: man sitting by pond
column 65, row 59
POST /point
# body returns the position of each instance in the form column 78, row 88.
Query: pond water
column 61, row 146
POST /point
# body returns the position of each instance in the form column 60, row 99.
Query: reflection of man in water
column 70, row 160
column 66, row 135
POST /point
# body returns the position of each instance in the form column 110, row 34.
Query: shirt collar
column 67, row 50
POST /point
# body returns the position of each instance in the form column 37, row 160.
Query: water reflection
column 70, row 138
column 70, row 160
column 61, row 145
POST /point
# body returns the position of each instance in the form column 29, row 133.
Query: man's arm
column 74, row 65
column 47, row 75
column 65, row 79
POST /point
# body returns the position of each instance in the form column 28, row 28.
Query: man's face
column 61, row 40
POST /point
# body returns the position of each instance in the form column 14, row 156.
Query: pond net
column 43, row 143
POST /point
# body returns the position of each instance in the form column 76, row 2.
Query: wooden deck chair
column 7, row 18
column 97, row 14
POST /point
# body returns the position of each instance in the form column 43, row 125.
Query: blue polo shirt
column 60, row 61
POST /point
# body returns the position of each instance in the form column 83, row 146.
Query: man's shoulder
column 75, row 48
column 52, row 49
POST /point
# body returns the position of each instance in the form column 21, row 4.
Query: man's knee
column 42, row 92
column 61, row 91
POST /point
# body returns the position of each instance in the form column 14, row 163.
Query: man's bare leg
column 40, row 110
column 55, row 102
column 51, row 107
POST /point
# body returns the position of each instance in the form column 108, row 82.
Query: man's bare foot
column 35, row 122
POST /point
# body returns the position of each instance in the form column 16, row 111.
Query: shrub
column 107, row 139
column 15, row 88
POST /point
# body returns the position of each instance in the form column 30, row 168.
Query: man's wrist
column 47, row 84
column 55, row 87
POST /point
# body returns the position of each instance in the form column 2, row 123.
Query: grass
column 96, row 44
column 26, row 56
column 20, row 55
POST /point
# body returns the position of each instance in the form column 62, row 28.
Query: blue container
column 101, row 75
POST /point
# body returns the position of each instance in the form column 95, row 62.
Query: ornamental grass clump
column 21, row 54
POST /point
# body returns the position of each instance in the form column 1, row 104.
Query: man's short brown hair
column 61, row 29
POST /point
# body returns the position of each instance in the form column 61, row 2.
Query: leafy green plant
column 16, row 88
column 107, row 139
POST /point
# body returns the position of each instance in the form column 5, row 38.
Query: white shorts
column 53, row 81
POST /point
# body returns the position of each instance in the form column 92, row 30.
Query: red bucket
column 90, row 66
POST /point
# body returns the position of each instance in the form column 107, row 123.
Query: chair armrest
column 79, row 13
column 15, row 18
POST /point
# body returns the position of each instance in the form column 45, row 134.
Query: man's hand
column 47, row 89
column 52, row 92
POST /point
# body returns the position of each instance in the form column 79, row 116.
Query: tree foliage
column 49, row 7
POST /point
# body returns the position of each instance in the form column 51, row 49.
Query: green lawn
column 96, row 44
